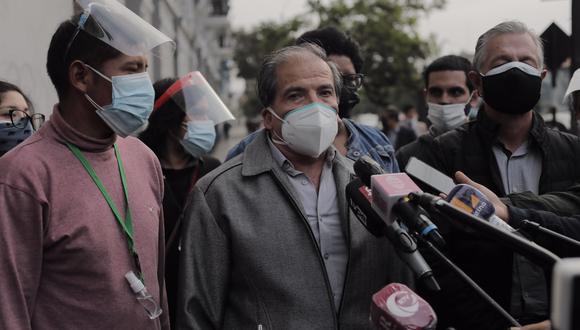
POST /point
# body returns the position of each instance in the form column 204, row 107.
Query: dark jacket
column 178, row 184
column 469, row 149
column 422, row 148
column 568, row 226
column 250, row 261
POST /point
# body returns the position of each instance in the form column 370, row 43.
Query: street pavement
column 237, row 132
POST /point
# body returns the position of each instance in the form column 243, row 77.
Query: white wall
column 27, row 26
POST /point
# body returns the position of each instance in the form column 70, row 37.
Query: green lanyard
column 127, row 224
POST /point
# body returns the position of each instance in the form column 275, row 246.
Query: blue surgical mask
column 11, row 136
column 132, row 103
column 199, row 137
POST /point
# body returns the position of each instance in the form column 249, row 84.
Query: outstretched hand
column 501, row 209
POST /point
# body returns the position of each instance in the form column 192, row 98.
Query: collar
column 66, row 133
column 260, row 156
column 287, row 165
column 490, row 128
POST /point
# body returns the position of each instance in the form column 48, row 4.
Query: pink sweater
column 63, row 256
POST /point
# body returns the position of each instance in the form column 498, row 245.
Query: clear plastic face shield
column 120, row 28
column 193, row 94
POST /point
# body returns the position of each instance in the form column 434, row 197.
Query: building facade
column 200, row 29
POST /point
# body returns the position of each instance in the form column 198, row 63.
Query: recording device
column 474, row 202
column 396, row 307
column 566, row 295
column 428, row 175
column 359, row 199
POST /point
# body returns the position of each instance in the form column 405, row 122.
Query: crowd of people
column 114, row 216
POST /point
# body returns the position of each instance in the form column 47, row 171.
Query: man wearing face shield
column 353, row 139
column 81, row 245
column 268, row 240
column 448, row 93
column 509, row 150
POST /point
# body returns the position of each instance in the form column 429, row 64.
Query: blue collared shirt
column 362, row 140
column 323, row 215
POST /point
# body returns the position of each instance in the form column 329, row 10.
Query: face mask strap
column 275, row 115
column 100, row 74
column 275, row 137
column 93, row 103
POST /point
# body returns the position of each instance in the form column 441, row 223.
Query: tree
column 393, row 51
column 252, row 46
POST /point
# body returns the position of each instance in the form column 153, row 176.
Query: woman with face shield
column 181, row 132
column 16, row 120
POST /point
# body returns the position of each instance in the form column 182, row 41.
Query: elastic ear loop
column 279, row 139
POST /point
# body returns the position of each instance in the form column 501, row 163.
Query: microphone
column 359, row 200
column 474, row 202
column 396, row 307
column 534, row 227
column 459, row 218
column 387, row 192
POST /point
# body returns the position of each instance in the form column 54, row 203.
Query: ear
column 425, row 94
column 475, row 78
column 267, row 119
column 543, row 74
column 79, row 77
column 474, row 98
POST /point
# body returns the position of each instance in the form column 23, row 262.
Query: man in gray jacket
column 268, row 240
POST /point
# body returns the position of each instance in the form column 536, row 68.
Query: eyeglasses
column 21, row 118
column 353, row 81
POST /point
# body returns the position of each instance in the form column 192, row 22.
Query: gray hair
column 267, row 78
column 504, row 28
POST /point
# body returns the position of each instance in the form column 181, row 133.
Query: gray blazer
column 250, row 261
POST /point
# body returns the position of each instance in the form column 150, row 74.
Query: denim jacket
column 362, row 140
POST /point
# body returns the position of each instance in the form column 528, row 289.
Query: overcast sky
column 456, row 27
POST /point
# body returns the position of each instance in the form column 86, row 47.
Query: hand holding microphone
column 501, row 209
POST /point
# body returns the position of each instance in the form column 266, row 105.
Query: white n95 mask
column 308, row 130
column 446, row 117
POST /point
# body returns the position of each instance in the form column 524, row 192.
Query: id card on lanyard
column 136, row 282
column 126, row 224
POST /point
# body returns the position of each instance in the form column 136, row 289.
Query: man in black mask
column 509, row 149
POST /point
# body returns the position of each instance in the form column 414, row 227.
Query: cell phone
column 566, row 294
column 428, row 175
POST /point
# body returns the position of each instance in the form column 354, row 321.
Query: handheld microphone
column 359, row 200
column 396, row 307
column 387, row 192
column 462, row 219
column 474, row 202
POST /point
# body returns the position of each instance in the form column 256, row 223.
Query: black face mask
column 348, row 99
column 514, row 89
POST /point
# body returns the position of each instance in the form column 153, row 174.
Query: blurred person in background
column 399, row 135
column 411, row 120
column 17, row 122
column 353, row 139
column 181, row 133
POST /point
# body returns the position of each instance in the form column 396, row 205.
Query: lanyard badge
column 136, row 282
